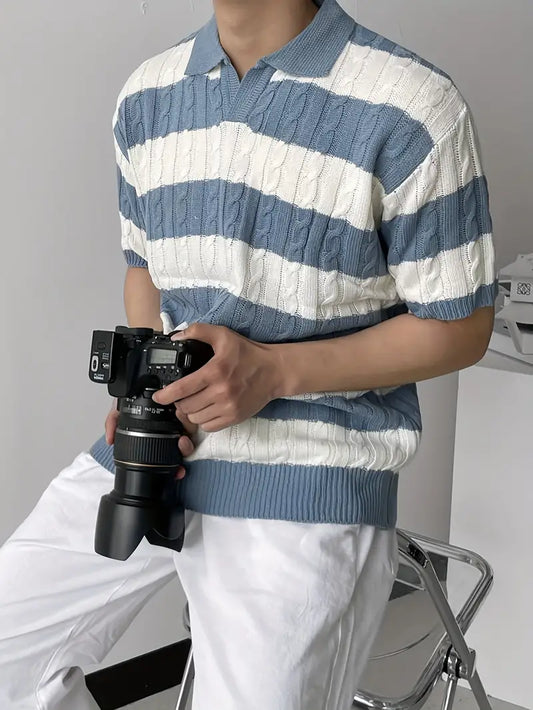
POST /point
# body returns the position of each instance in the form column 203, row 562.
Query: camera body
column 130, row 360
column 134, row 363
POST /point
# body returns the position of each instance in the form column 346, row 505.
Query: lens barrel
column 144, row 500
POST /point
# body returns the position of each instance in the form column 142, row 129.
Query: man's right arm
column 141, row 299
column 142, row 303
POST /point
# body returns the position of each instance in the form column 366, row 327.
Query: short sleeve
column 131, row 213
column 436, row 229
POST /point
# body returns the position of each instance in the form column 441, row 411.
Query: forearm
column 141, row 300
column 400, row 350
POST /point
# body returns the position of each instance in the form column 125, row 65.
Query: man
column 307, row 195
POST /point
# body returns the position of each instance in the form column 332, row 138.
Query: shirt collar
column 313, row 52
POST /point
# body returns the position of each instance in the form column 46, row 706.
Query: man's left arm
column 436, row 231
column 397, row 351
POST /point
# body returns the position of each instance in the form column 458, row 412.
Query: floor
column 464, row 700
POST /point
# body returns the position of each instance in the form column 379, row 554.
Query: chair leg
column 461, row 660
column 186, row 683
column 479, row 692
column 455, row 670
column 449, row 695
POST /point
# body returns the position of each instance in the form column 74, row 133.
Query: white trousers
column 283, row 614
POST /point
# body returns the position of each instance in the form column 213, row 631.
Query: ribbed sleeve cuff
column 456, row 308
column 133, row 259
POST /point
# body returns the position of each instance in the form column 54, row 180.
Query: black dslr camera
column 134, row 363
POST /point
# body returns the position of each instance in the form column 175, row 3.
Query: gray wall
column 61, row 67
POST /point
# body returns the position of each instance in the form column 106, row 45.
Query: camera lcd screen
column 157, row 356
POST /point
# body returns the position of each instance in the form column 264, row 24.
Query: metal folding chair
column 421, row 638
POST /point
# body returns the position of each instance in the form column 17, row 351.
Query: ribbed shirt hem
column 315, row 494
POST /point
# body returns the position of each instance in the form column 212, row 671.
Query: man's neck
column 251, row 29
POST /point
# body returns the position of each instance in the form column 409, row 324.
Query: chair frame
column 452, row 656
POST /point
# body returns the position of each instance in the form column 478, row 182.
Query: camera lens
column 144, row 500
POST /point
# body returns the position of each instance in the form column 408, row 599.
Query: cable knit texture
column 338, row 184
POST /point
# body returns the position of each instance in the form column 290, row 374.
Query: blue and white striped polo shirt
column 337, row 185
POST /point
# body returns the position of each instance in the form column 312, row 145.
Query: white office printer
column 513, row 325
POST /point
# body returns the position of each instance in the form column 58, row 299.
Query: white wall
column 61, row 67
column 491, row 514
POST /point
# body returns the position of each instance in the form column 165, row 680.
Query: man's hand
column 185, row 443
column 236, row 383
